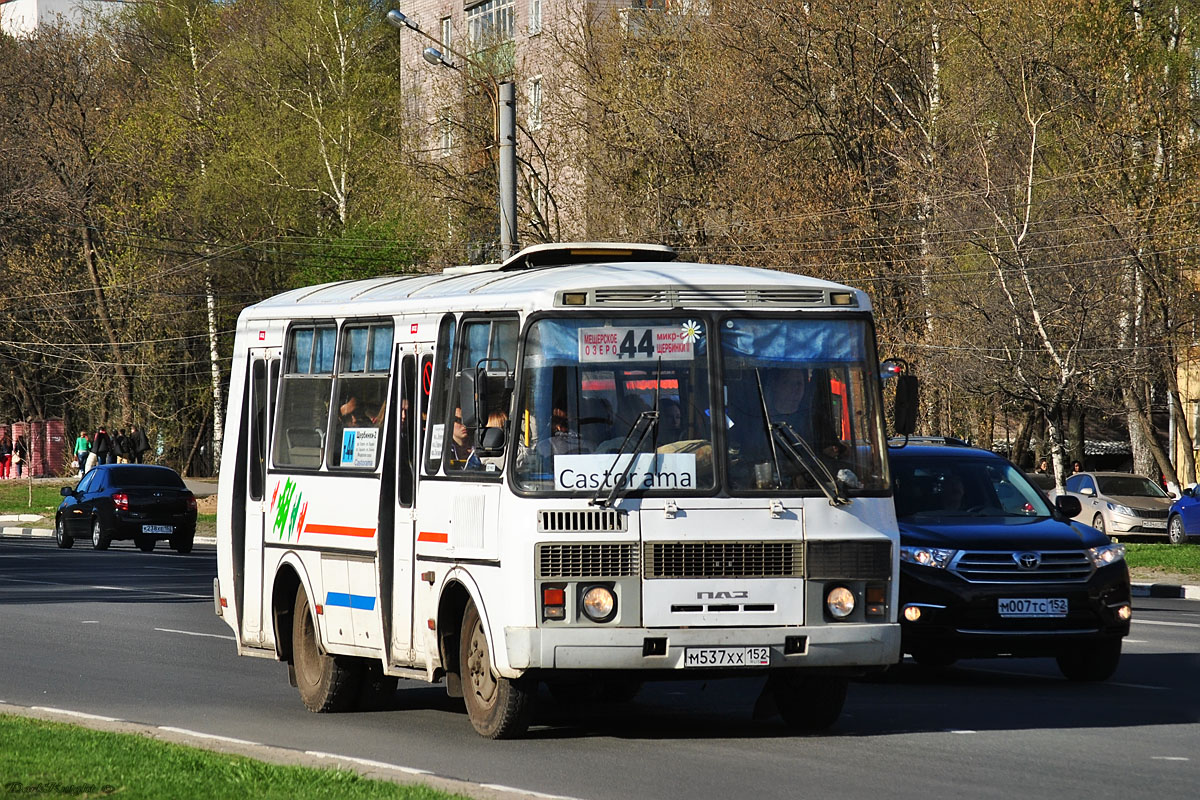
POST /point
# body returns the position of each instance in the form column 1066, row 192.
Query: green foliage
column 1177, row 558
column 15, row 498
column 54, row 760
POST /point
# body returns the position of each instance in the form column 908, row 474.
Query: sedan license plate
column 1033, row 607
column 727, row 657
column 168, row 529
column 1154, row 523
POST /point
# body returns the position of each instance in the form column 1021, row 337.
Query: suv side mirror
column 1068, row 505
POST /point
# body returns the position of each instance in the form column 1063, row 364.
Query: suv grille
column 618, row 560
column 1072, row 566
column 724, row 559
column 850, row 560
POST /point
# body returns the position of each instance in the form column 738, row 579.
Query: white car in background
column 1118, row 503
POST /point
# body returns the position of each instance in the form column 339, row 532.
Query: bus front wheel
column 499, row 708
column 326, row 682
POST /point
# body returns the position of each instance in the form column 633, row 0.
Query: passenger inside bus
column 462, row 446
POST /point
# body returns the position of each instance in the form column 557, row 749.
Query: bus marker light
column 320, row 609
column 432, row 623
column 554, row 602
column 224, row 603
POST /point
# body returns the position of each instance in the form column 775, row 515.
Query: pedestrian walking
column 120, row 446
column 21, row 455
column 6, row 455
column 83, row 446
column 141, row 445
column 102, row 446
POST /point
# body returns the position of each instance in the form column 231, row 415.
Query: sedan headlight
column 927, row 556
column 1106, row 554
column 1124, row 511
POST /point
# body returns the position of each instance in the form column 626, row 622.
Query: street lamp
column 502, row 94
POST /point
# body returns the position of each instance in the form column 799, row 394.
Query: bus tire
column 326, row 683
column 377, row 690
column 808, row 703
column 499, row 708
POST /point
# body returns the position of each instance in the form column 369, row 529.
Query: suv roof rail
column 949, row 441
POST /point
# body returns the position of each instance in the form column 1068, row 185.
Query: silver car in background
column 1118, row 503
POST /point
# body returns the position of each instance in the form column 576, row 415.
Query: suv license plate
column 1033, row 607
column 727, row 656
column 158, row 529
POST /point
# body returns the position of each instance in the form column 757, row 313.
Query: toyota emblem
column 1027, row 560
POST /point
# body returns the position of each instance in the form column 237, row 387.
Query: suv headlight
column 927, row 556
column 1106, row 554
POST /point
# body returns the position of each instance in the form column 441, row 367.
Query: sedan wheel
column 60, row 535
column 100, row 538
column 1175, row 531
column 146, row 543
column 1098, row 523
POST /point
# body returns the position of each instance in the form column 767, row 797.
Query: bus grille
column 1071, row 566
column 585, row 560
column 724, row 559
column 599, row 520
column 850, row 560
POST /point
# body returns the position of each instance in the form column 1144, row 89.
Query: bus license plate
column 1033, row 607
column 727, row 657
column 158, row 529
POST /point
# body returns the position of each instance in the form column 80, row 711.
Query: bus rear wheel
column 498, row 707
column 326, row 682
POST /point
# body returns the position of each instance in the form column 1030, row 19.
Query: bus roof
column 597, row 276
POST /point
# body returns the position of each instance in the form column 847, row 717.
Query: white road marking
column 502, row 788
column 78, row 714
column 107, row 588
column 961, row 732
column 202, row 735
column 1169, row 758
column 196, row 633
column 366, row 762
column 1168, row 624
column 89, row 622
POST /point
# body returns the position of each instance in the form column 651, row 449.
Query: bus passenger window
column 362, row 382
column 304, row 396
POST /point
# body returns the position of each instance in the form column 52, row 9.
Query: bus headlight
column 840, row 602
column 599, row 603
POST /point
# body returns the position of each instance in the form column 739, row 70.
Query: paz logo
column 290, row 510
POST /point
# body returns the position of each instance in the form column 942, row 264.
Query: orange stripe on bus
column 429, row 536
column 339, row 530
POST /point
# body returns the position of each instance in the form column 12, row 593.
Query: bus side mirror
column 491, row 442
column 905, row 409
column 469, row 401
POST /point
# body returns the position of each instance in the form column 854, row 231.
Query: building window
column 535, row 103
column 490, row 22
column 535, row 16
column 447, row 35
column 445, row 134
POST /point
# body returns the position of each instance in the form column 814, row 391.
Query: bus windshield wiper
column 800, row 452
column 646, row 421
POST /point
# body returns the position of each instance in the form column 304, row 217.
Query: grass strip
column 1181, row 558
column 58, row 760
column 14, row 497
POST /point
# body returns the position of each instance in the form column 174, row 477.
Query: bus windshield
column 626, row 405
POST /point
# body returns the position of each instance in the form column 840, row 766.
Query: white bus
column 589, row 467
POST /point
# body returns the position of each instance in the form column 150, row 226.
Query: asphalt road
column 133, row 636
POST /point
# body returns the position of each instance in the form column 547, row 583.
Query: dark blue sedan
column 1183, row 520
column 141, row 502
column 988, row 567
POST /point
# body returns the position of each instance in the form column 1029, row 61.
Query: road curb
column 1166, row 590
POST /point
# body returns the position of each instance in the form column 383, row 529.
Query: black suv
column 988, row 567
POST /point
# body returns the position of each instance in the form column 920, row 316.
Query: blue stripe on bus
column 362, row 602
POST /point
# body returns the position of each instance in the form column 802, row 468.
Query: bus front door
column 264, row 378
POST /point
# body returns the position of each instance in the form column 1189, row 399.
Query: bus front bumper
column 827, row 646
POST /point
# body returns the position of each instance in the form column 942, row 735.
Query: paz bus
column 587, row 467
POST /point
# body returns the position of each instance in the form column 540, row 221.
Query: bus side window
column 438, row 436
column 304, row 396
column 364, row 363
column 406, row 428
column 489, row 347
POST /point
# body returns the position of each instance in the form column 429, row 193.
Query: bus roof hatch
column 561, row 254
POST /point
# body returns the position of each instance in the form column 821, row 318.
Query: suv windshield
column 932, row 487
